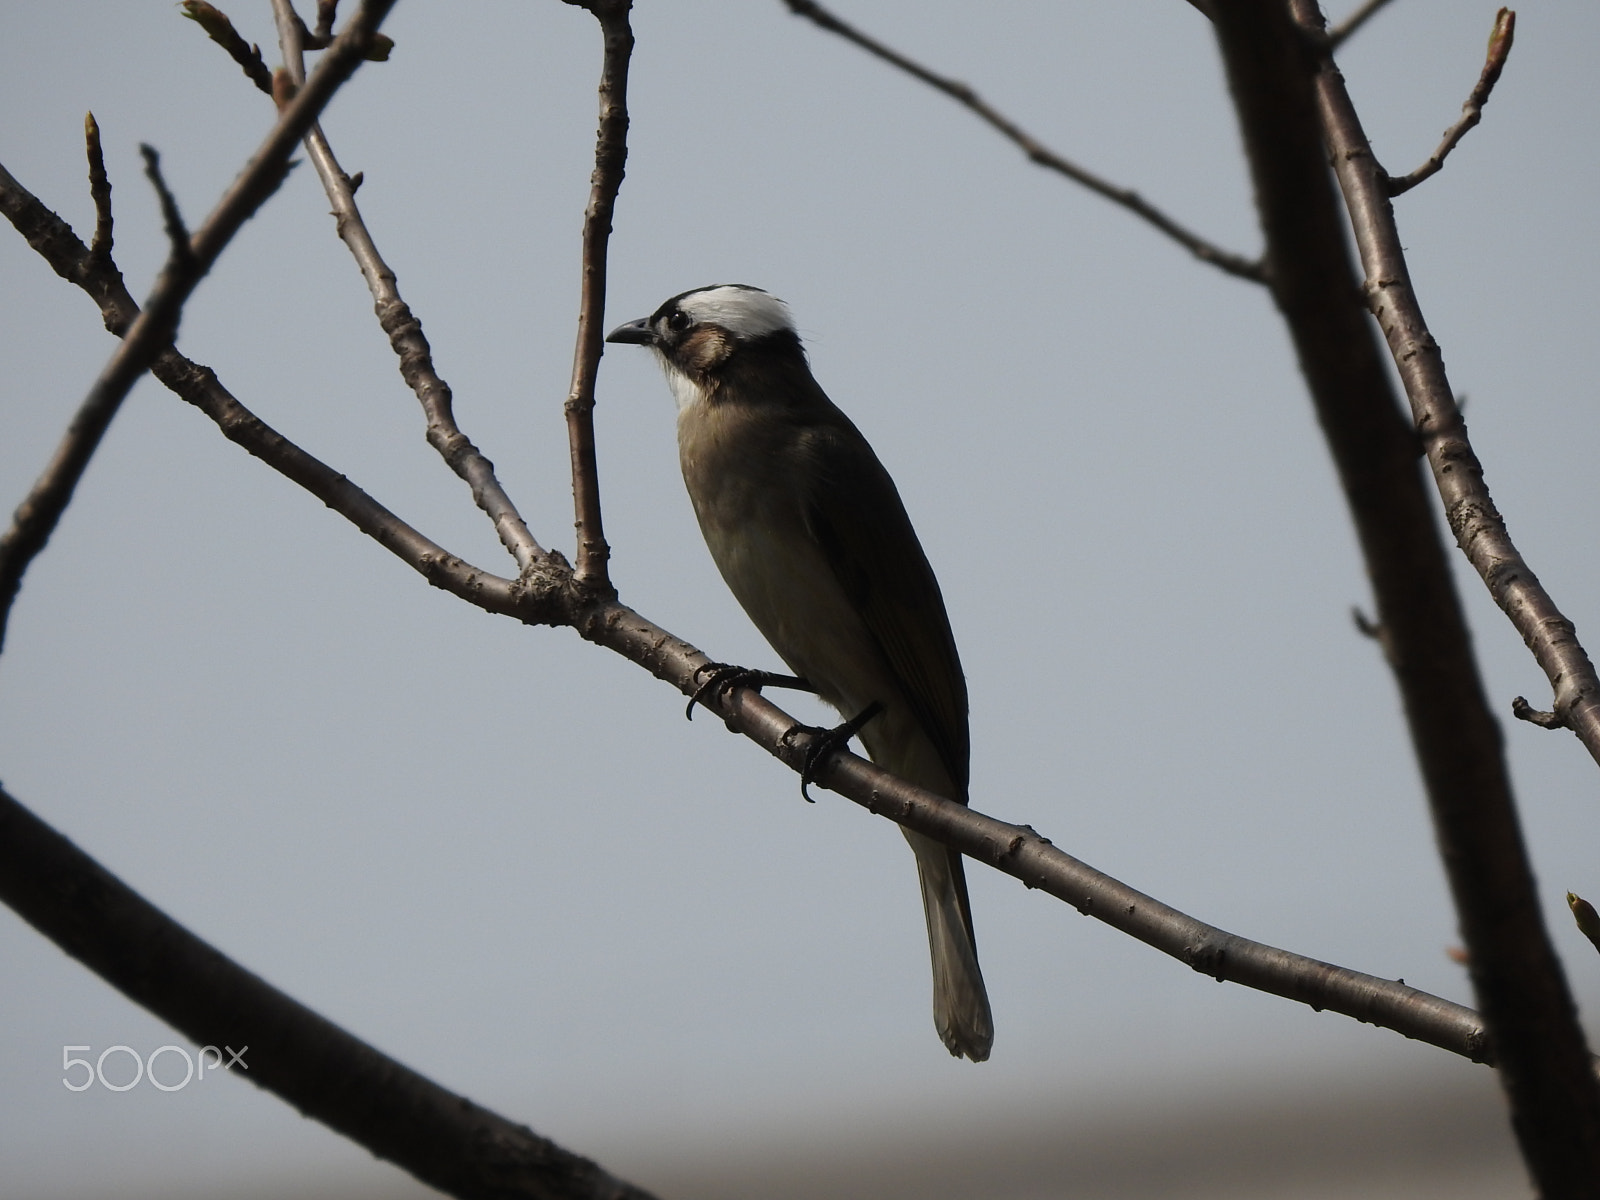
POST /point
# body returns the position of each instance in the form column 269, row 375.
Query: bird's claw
column 825, row 741
column 721, row 678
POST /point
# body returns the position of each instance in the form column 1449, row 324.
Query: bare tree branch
column 36, row 518
column 402, row 326
column 442, row 1138
column 1278, row 86
column 610, row 158
column 1038, row 152
column 528, row 599
column 1505, row 24
column 1343, row 31
column 1476, row 522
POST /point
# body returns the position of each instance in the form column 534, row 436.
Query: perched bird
column 809, row 532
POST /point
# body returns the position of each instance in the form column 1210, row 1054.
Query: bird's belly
column 790, row 593
column 785, row 585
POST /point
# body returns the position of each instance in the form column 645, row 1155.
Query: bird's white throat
column 686, row 393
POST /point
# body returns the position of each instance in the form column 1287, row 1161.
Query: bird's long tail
column 960, row 1003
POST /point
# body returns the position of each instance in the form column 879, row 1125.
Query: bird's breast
column 746, row 481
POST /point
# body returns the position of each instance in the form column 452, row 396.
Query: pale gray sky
column 499, row 853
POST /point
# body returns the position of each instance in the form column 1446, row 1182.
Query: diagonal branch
column 1476, row 522
column 1505, row 25
column 1021, row 852
column 610, row 157
column 156, row 325
column 1037, row 151
column 442, row 1138
column 404, row 329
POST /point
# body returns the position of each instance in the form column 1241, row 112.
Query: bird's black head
column 696, row 332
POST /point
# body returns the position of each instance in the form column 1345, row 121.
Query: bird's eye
column 678, row 321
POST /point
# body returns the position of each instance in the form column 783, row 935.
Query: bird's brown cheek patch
column 703, row 351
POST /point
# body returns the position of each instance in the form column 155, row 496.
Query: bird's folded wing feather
column 855, row 514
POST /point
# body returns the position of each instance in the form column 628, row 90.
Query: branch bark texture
column 1544, row 1065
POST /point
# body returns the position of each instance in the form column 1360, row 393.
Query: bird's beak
column 636, row 333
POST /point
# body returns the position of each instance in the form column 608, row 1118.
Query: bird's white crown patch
column 746, row 312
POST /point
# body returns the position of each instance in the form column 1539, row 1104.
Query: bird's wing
column 855, row 514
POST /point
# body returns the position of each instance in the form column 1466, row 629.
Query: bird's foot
column 825, row 741
column 722, row 678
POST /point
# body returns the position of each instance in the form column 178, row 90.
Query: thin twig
column 36, row 518
column 1037, row 151
column 610, row 158
column 402, row 326
column 1341, row 32
column 180, row 252
column 99, row 190
column 1505, row 24
column 1523, row 711
column 221, row 31
column 441, row 1138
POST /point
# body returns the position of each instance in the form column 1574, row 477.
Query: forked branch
column 36, row 518
column 1458, row 474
